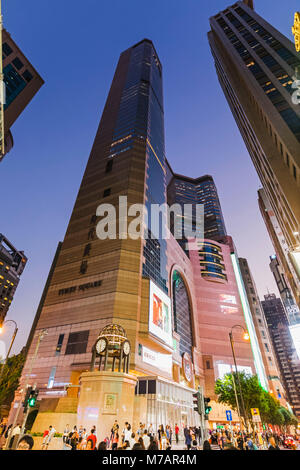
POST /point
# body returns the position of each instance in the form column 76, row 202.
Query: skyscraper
column 184, row 190
column 256, row 67
column 284, row 348
column 146, row 285
column 261, row 328
column 12, row 264
column 22, row 82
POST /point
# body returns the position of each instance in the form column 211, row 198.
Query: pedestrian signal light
column 207, row 408
column 32, row 398
column 197, row 402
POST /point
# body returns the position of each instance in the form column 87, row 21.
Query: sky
column 75, row 47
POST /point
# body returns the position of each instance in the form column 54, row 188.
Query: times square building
column 93, row 283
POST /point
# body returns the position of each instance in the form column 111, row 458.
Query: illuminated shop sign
column 296, row 31
column 295, row 334
column 160, row 323
column 158, row 360
column 260, row 370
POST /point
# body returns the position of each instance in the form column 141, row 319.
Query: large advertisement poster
column 160, row 323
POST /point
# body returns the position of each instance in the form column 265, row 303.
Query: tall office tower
column 22, row 82
column 148, row 287
column 184, row 190
column 284, row 348
column 256, row 67
column 261, row 328
column 12, row 264
column 281, row 246
column 291, row 308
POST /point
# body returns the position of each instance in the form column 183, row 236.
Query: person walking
column 177, row 433
column 146, row 439
column 92, row 437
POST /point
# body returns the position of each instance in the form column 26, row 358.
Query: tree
column 10, row 378
column 254, row 397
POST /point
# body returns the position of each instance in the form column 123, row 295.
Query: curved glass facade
column 211, row 262
column 182, row 314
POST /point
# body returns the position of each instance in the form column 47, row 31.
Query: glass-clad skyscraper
column 256, row 67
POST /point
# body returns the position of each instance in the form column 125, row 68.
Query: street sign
column 228, row 415
column 255, row 415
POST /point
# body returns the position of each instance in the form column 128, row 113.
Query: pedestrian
column 272, row 444
column 194, row 445
column 177, row 433
column 115, row 441
column 146, row 439
column 14, row 435
column 206, row 445
column 48, row 434
column 188, row 440
column 66, row 433
column 26, row 443
column 92, row 437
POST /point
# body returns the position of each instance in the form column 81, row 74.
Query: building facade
column 22, row 82
column 174, row 307
column 12, row 264
column 256, row 67
column 287, row 358
column 261, row 328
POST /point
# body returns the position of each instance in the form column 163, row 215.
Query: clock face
column 126, row 348
column 100, row 346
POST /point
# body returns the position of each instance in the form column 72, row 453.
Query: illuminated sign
column 158, row 360
column 295, row 334
column 228, row 310
column 160, row 323
column 250, row 325
column 228, row 299
column 296, row 31
column 187, row 367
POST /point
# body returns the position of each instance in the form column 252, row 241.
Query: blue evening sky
column 75, row 46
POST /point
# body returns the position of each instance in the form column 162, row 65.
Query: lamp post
column 11, row 343
column 246, row 337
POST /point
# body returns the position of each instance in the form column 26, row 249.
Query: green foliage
column 10, row 378
column 254, row 397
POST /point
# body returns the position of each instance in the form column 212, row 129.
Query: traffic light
column 27, row 396
column 197, row 402
column 207, row 408
column 32, row 398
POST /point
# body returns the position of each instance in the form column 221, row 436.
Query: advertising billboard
column 160, row 321
column 158, row 360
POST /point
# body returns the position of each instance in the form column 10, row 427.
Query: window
column 59, row 345
column 87, row 250
column 77, row 342
column 83, row 267
column 27, row 75
column 51, row 378
column 17, row 63
column 107, row 192
column 6, row 49
column 267, row 347
column 109, row 166
column 207, row 365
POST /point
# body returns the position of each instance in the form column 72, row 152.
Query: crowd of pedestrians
column 146, row 438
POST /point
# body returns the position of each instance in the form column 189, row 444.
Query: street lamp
column 11, row 343
column 246, row 337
